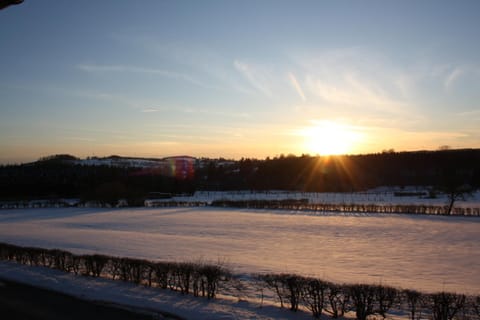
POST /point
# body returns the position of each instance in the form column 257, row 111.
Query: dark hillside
column 66, row 176
column 346, row 173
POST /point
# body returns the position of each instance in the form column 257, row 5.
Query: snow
column 428, row 253
column 134, row 296
column 120, row 162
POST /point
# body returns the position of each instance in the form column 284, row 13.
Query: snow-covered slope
column 119, row 162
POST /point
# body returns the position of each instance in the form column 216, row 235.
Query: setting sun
column 330, row 138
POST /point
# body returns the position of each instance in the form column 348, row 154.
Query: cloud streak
column 150, row 110
column 203, row 61
column 296, row 86
column 257, row 78
column 353, row 80
column 91, row 68
column 453, row 77
column 351, row 91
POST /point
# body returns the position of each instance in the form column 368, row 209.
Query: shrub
column 446, row 305
column 475, row 303
column 363, row 299
column 287, row 287
column 338, row 299
column 212, row 275
column 77, row 263
column 414, row 300
column 184, row 274
column 162, row 274
column 385, row 297
column 94, row 264
column 61, row 259
column 131, row 269
column 313, row 295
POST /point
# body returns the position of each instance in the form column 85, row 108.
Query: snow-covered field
column 428, row 253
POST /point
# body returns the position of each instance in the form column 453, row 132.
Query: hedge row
column 25, row 204
column 199, row 279
column 294, row 291
column 366, row 300
column 303, row 205
column 285, row 204
column 157, row 203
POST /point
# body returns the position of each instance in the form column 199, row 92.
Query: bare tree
column 314, row 295
column 288, row 287
column 454, row 183
column 414, row 301
column 338, row 299
column 446, row 305
column 456, row 192
column 385, row 297
column 363, row 299
column 476, row 305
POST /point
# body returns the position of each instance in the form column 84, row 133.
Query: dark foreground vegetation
column 455, row 172
column 292, row 291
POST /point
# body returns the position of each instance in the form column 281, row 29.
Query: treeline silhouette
column 290, row 290
column 353, row 172
column 62, row 176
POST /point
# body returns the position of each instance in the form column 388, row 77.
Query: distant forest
column 62, row 176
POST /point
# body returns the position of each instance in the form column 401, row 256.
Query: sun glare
column 330, row 138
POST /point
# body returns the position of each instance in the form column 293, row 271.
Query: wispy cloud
column 453, row 76
column 470, row 113
column 351, row 91
column 213, row 67
column 150, row 110
column 217, row 113
column 354, row 79
column 257, row 78
column 296, row 86
column 91, row 68
column 79, row 139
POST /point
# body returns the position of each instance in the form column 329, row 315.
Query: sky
column 237, row 79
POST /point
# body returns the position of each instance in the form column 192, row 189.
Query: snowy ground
column 133, row 296
column 428, row 253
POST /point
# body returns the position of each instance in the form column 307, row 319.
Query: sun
column 330, row 138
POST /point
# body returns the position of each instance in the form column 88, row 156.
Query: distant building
column 180, row 167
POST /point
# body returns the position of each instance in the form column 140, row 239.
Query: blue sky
column 237, row 78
